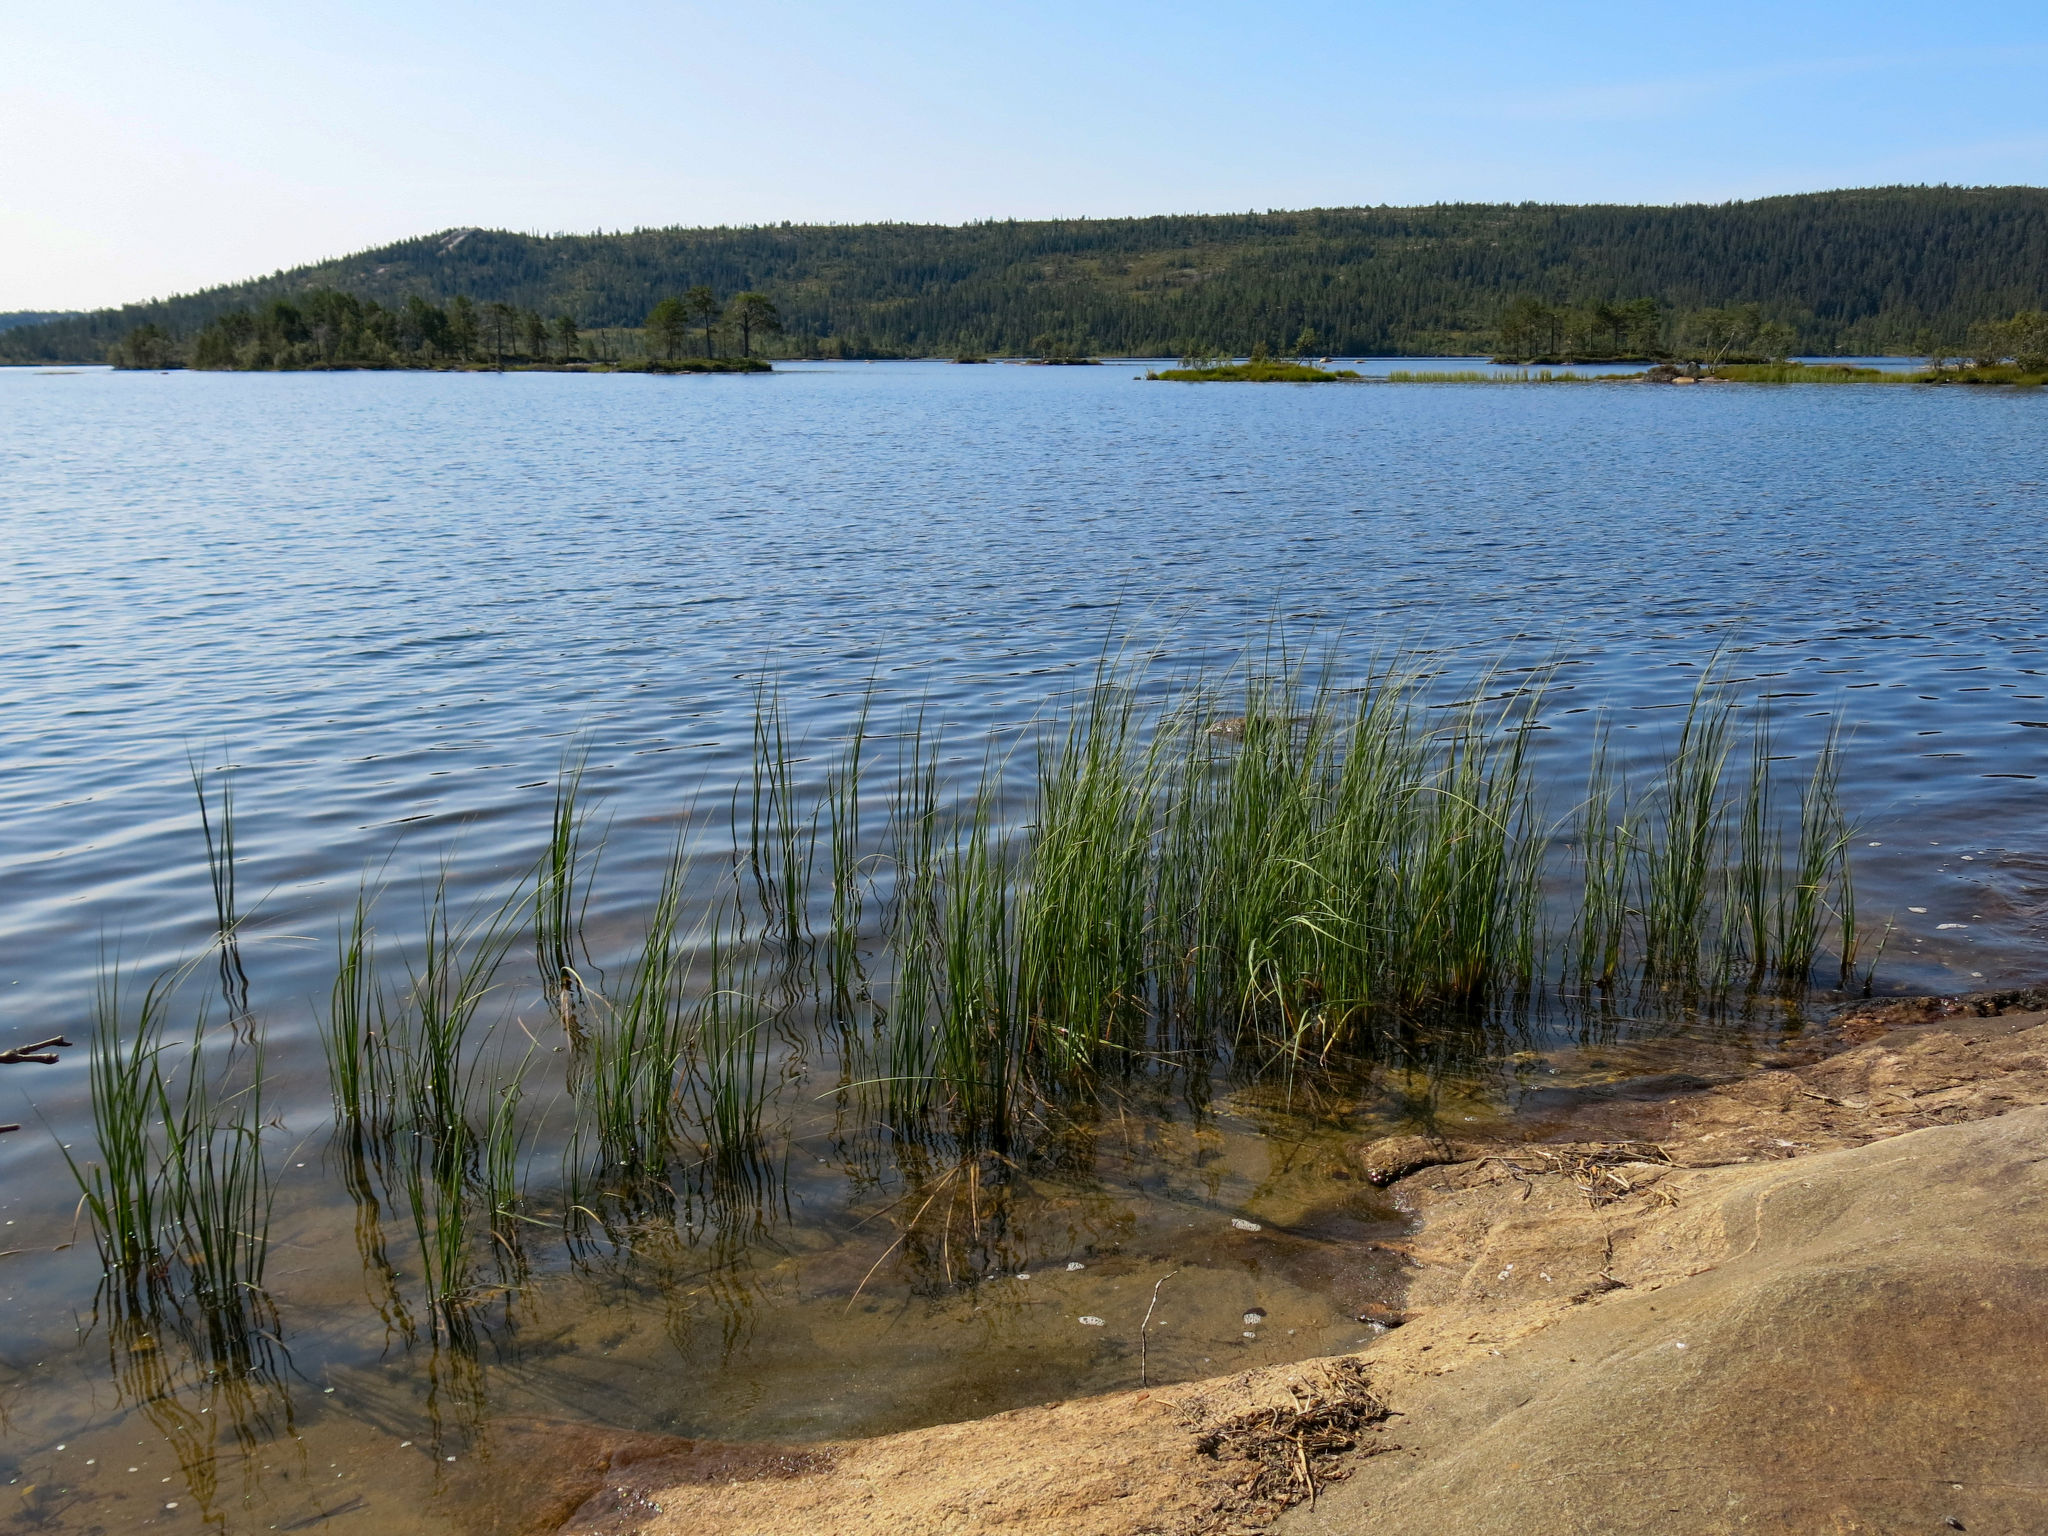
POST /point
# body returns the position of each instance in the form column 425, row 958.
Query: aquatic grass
column 1605, row 839
column 1819, row 870
column 428, row 1036
column 843, row 817
column 731, row 1065
column 782, row 834
column 179, row 1193
column 637, row 1043
column 1808, row 373
column 1486, row 376
column 437, row 1197
column 129, row 1103
column 561, row 894
column 1082, row 924
column 974, row 1054
column 1271, row 867
column 1680, row 841
column 1754, row 870
column 904, row 1058
column 218, row 1187
column 220, row 869
column 349, row 1036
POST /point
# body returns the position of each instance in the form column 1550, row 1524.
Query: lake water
column 395, row 601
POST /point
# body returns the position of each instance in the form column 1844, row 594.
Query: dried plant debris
column 1601, row 1171
column 1279, row 1455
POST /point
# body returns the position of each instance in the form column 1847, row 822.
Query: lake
column 389, row 607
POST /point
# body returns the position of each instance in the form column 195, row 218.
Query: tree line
column 669, row 323
column 330, row 328
column 1856, row 271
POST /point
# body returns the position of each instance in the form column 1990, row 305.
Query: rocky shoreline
column 1810, row 1298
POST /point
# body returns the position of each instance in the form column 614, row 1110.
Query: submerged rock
column 1395, row 1157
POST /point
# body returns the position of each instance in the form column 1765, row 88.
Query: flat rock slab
column 1861, row 1346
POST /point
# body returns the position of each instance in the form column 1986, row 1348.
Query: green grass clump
column 1481, row 376
column 1254, row 373
column 627, row 1083
column 1987, row 373
column 561, row 895
column 179, row 1193
column 1263, row 867
column 1805, row 373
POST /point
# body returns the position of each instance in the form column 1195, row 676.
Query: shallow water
column 392, row 601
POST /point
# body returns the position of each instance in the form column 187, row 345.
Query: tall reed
column 220, row 869
column 782, row 833
column 843, row 816
column 179, row 1192
column 561, row 894
column 731, row 1067
column 1265, row 866
column 637, row 1043
column 430, row 1035
column 350, row 1036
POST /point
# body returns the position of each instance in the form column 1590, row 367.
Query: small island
column 1259, row 368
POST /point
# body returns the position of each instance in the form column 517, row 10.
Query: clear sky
column 154, row 146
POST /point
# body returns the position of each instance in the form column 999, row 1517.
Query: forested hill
column 1885, row 269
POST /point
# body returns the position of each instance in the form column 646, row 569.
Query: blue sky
column 157, row 147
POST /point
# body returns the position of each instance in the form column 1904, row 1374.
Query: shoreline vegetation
column 1164, row 881
column 697, row 333
column 1994, row 373
column 1270, row 871
column 1875, row 271
column 333, row 331
column 1266, row 871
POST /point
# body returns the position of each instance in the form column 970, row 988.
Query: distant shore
column 627, row 365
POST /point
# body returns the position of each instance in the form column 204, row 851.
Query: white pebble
column 1916, row 909
column 1256, row 1316
column 1249, row 1334
column 1074, row 1264
column 1245, row 1226
column 1024, row 1277
column 1091, row 1322
column 1951, row 925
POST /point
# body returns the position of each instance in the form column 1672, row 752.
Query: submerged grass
column 1265, row 868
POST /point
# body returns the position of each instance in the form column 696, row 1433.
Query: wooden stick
column 44, row 1051
column 1148, row 1323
